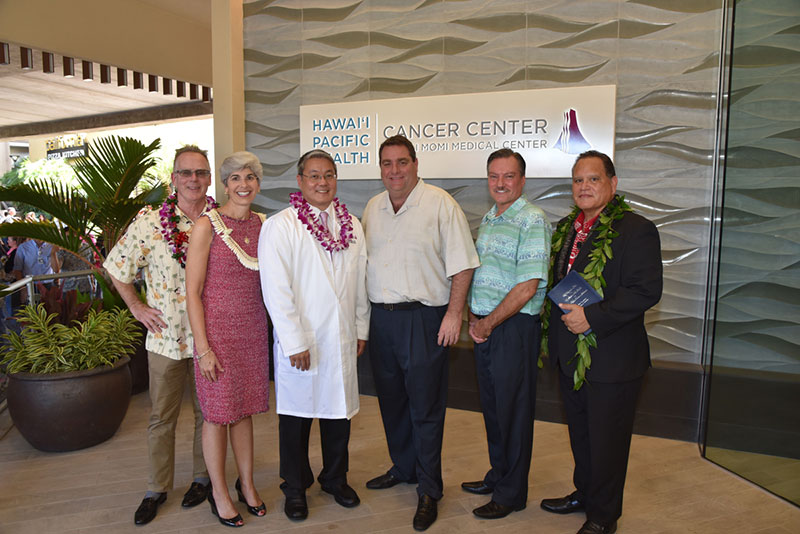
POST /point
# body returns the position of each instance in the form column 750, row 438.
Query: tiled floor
column 670, row 488
column 776, row 474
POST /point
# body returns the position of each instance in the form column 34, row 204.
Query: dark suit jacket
column 634, row 278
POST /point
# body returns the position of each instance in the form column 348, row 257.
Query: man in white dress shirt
column 312, row 259
column 421, row 259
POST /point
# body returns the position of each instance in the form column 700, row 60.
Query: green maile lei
column 593, row 274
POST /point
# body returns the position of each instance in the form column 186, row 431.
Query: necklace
column 320, row 231
column 177, row 240
column 593, row 274
column 224, row 233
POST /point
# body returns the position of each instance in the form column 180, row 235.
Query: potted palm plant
column 69, row 384
column 114, row 182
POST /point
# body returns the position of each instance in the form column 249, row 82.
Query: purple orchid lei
column 320, row 232
column 177, row 240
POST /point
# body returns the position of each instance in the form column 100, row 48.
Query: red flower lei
column 177, row 239
column 320, row 232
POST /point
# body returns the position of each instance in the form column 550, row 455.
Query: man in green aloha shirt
column 505, row 298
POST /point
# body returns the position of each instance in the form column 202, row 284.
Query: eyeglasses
column 328, row 176
column 200, row 173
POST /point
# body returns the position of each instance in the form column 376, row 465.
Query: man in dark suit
column 600, row 413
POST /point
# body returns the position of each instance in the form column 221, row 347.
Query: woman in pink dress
column 229, row 326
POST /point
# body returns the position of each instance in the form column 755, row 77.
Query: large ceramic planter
column 140, row 370
column 68, row 411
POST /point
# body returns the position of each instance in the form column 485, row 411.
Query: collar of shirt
column 509, row 213
column 413, row 199
column 332, row 222
column 184, row 221
column 583, row 226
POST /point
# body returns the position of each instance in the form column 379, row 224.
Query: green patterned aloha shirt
column 513, row 247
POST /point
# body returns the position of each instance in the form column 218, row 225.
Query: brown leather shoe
column 426, row 512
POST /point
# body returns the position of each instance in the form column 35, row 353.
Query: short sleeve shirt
column 144, row 247
column 32, row 259
column 413, row 254
column 513, row 247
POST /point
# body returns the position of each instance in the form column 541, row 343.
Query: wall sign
column 67, row 146
column 454, row 134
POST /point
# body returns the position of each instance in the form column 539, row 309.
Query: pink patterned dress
column 236, row 326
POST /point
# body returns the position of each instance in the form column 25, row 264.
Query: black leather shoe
column 258, row 511
column 344, row 495
column 235, row 521
column 296, row 507
column 478, row 487
column 196, row 494
column 593, row 527
column 493, row 510
column 148, row 509
column 426, row 513
column 386, row 480
column 563, row 505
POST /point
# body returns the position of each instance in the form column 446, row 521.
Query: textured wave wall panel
column 662, row 56
column 758, row 315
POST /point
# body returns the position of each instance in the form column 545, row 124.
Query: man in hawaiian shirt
column 156, row 243
column 505, row 299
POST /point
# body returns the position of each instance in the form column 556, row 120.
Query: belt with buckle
column 399, row 306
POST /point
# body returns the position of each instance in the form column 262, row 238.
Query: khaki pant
column 168, row 379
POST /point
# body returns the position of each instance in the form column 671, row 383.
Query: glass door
column 753, row 402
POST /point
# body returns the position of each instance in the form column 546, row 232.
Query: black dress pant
column 600, row 419
column 507, row 367
column 295, row 468
column 410, row 371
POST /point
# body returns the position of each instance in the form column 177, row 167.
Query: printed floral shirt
column 514, row 247
column 144, row 247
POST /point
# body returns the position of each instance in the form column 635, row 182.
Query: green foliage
column 47, row 346
column 106, row 194
column 51, row 170
column 111, row 299
column 54, row 171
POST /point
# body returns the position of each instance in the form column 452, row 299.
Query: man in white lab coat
column 312, row 259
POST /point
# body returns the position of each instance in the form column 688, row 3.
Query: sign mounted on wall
column 67, row 146
column 454, row 134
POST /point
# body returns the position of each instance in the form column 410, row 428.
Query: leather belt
column 398, row 306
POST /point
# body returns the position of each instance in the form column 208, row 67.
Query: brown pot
column 140, row 371
column 59, row 412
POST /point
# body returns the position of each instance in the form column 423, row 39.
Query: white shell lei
column 224, row 233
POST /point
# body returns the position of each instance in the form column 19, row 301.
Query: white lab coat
column 317, row 302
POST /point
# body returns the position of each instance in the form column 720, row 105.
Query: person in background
column 65, row 261
column 33, row 257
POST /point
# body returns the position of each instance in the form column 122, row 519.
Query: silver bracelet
column 200, row 356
